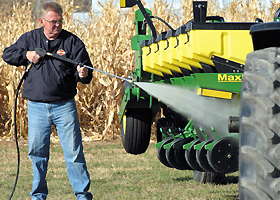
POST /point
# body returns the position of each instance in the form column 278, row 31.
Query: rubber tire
column 171, row 157
column 180, row 154
column 259, row 139
column 136, row 130
column 161, row 153
column 190, row 156
column 201, row 157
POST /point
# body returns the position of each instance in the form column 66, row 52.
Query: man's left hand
column 83, row 71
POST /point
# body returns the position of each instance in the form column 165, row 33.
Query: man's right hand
column 32, row 56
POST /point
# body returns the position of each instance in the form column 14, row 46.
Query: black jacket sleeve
column 16, row 53
column 85, row 80
column 82, row 55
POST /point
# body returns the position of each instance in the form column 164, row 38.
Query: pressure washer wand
column 41, row 52
column 107, row 73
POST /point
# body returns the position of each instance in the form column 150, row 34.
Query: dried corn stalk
column 107, row 39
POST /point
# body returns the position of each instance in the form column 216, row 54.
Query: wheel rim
column 223, row 157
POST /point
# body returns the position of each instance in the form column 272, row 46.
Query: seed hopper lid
column 265, row 35
column 259, row 27
column 152, row 40
column 161, row 36
column 144, row 43
column 181, row 30
column 170, row 33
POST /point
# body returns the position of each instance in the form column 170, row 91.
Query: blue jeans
column 63, row 114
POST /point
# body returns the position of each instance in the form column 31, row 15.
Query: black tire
column 180, row 154
column 161, row 153
column 259, row 141
column 163, row 124
column 136, row 130
column 171, row 155
column 201, row 157
column 190, row 156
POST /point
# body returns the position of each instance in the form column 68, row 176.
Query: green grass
column 114, row 175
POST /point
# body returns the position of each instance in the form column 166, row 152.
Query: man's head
column 51, row 19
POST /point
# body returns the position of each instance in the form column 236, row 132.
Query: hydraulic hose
column 15, row 126
column 162, row 22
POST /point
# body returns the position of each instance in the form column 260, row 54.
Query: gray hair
column 51, row 6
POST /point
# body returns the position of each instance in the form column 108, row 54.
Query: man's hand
column 32, row 56
column 83, row 71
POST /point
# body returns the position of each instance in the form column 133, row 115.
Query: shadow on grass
column 183, row 179
column 224, row 180
column 231, row 179
column 232, row 197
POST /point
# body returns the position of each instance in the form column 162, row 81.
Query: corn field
column 107, row 39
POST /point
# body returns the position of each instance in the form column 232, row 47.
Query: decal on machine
column 230, row 77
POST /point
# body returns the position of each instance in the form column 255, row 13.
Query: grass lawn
column 114, row 173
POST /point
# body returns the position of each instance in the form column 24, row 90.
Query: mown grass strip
column 114, row 175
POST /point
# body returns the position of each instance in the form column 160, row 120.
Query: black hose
column 15, row 127
column 147, row 17
column 162, row 21
column 277, row 15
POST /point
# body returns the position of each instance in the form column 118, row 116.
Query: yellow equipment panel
column 146, row 61
column 231, row 45
column 172, row 54
column 195, row 47
column 162, row 57
column 154, row 57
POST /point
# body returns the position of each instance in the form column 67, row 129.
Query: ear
column 41, row 21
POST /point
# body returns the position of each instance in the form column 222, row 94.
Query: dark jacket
column 50, row 80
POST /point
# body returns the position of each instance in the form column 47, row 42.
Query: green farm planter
column 235, row 62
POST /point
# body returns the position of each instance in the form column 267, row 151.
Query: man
column 50, row 88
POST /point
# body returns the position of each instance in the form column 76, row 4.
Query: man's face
column 52, row 23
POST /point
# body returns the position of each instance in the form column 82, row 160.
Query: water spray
column 213, row 112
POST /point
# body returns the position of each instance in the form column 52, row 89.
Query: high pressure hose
column 15, row 126
column 43, row 53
